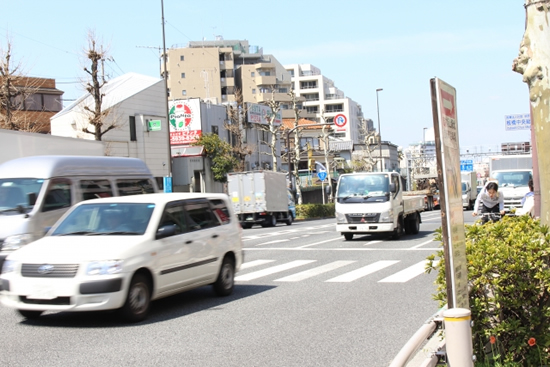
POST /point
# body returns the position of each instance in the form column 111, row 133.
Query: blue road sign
column 322, row 175
column 466, row 165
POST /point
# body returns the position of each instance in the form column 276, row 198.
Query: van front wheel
column 138, row 301
column 30, row 314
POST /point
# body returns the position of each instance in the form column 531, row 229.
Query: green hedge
column 306, row 211
column 509, row 276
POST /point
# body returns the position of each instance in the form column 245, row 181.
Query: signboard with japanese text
column 467, row 165
column 261, row 114
column 185, row 121
column 517, row 122
column 452, row 220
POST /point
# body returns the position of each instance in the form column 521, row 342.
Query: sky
column 361, row 45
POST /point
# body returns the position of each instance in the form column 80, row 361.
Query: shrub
column 315, row 211
column 509, row 276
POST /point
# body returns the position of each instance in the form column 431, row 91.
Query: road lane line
column 315, row 271
column 371, row 243
column 422, row 244
column 270, row 242
column 251, row 264
column 406, row 274
column 318, row 243
column 273, row 270
column 364, row 271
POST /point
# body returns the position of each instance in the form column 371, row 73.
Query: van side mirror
column 31, row 198
column 393, row 188
column 166, row 231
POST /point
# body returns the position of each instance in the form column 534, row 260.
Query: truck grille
column 363, row 218
column 49, row 270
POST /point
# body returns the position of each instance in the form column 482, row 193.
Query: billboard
column 185, row 121
column 517, row 122
column 452, row 220
column 260, row 114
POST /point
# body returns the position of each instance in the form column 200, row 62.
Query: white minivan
column 36, row 191
column 122, row 252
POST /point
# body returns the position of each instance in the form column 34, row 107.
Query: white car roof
column 158, row 198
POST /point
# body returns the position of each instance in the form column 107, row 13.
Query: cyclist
column 489, row 200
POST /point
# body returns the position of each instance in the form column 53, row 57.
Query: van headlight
column 107, row 267
column 9, row 266
column 386, row 216
column 341, row 218
column 17, row 241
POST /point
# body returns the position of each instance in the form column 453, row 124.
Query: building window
column 168, row 92
column 253, row 91
column 182, row 58
column 308, row 84
column 215, row 130
column 183, row 92
column 183, row 75
column 132, row 123
column 252, row 74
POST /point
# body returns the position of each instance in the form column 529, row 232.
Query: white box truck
column 512, row 172
column 469, row 189
column 260, row 197
column 374, row 202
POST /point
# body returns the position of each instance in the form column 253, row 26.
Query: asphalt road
column 305, row 297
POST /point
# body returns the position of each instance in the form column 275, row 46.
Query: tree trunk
column 533, row 63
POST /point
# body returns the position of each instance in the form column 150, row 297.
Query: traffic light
column 311, row 164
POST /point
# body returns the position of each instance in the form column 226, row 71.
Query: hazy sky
column 361, row 45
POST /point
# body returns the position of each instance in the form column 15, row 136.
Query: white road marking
column 273, row 270
column 270, row 242
column 315, row 271
column 423, row 243
column 364, row 271
column 318, row 243
column 251, row 264
column 407, row 274
column 371, row 243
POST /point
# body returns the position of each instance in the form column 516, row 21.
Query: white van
column 123, row 252
column 36, row 191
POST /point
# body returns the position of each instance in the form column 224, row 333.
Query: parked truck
column 374, row 202
column 260, row 197
column 469, row 189
column 512, row 172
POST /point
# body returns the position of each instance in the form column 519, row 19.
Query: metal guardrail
column 425, row 332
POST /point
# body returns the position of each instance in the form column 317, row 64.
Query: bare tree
column 272, row 128
column 237, row 127
column 15, row 89
column 364, row 160
column 532, row 63
column 96, row 115
column 296, row 157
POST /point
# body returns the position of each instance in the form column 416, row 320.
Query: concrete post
column 458, row 337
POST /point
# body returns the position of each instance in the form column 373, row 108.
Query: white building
column 325, row 100
column 137, row 105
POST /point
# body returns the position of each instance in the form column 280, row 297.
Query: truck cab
column 513, row 184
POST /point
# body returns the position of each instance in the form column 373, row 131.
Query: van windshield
column 106, row 219
column 19, row 194
column 512, row 178
column 363, row 188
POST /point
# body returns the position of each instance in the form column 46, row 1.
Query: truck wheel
column 273, row 220
column 289, row 219
column 28, row 314
column 348, row 236
column 246, row 225
column 414, row 224
column 430, row 204
column 398, row 232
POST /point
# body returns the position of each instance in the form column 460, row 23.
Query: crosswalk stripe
column 251, row 264
column 364, row 271
column 315, row 271
column 273, row 269
column 406, row 274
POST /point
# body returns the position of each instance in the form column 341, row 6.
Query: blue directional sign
column 518, row 122
column 322, row 175
column 467, row 165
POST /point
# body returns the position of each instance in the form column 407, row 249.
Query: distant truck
column 260, row 197
column 427, row 186
column 374, row 202
column 512, row 172
column 469, row 189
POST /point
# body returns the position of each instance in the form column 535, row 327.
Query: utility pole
column 165, row 77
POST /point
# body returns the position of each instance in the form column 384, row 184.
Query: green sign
column 153, row 125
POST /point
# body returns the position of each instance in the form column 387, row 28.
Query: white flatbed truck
column 374, row 203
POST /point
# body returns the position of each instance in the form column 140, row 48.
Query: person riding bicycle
column 489, row 200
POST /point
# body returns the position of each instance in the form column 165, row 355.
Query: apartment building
column 328, row 104
column 36, row 101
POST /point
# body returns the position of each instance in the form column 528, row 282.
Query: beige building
column 212, row 70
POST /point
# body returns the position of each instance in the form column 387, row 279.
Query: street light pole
column 379, row 134
column 424, row 140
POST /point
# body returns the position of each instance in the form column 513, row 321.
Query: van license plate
column 42, row 293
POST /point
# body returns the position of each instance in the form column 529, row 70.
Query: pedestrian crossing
column 401, row 275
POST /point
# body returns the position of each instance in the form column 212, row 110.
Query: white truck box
column 469, row 189
column 259, row 197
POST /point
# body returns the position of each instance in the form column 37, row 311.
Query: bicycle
column 493, row 217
